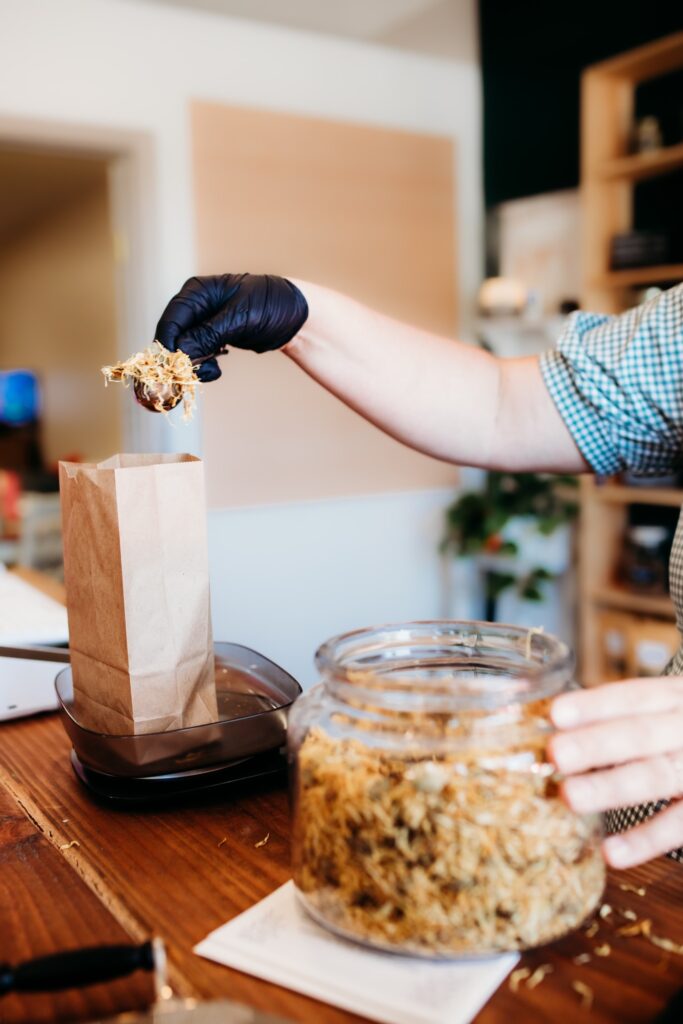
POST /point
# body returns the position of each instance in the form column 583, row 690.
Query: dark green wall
column 532, row 57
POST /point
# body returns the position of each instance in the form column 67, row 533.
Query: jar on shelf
column 645, row 560
column 426, row 817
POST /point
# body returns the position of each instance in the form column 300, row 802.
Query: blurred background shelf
column 667, row 272
column 645, row 604
column 639, row 166
column 613, row 620
column 622, row 494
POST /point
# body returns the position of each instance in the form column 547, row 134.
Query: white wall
column 284, row 578
column 540, row 246
column 131, row 69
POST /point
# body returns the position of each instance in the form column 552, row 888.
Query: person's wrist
column 307, row 329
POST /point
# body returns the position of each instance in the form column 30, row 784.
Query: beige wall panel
column 58, row 318
column 365, row 210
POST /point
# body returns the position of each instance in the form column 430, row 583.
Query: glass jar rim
column 526, row 663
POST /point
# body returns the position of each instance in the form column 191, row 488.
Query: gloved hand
column 251, row 311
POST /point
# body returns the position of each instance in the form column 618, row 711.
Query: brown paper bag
column 137, row 586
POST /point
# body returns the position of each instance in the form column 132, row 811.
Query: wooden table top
column 74, row 873
column 180, row 872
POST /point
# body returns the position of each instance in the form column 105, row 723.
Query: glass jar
column 426, row 817
column 645, row 560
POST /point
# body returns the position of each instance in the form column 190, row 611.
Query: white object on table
column 27, row 616
column 27, row 687
column 277, row 941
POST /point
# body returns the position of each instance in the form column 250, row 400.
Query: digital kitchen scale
column 246, row 742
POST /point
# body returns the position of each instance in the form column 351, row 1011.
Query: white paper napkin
column 277, row 941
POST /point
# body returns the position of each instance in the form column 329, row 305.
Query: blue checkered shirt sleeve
column 618, row 384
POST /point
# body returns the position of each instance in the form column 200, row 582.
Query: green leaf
column 497, row 582
column 548, row 525
column 495, row 521
column 539, row 573
column 474, row 517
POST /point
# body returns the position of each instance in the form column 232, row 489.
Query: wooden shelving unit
column 640, row 604
column 639, row 166
column 622, row 495
column 633, row 278
column 608, row 176
column 604, row 513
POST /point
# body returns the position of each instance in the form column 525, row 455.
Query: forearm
column 447, row 399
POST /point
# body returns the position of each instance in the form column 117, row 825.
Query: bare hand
column 620, row 745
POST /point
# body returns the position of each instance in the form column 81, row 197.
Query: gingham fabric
column 618, row 384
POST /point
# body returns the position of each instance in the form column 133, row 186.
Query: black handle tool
column 80, row 967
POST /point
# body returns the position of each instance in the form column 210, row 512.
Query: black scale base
column 152, row 789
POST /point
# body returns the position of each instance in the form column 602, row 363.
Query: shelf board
column 646, row 604
column 640, row 275
column 639, row 166
column 620, row 494
column 649, row 61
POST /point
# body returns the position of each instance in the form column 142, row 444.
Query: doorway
column 59, row 323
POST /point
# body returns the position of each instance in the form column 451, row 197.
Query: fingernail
column 564, row 713
column 618, row 852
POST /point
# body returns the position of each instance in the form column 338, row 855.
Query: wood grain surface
column 177, row 873
column 46, row 908
column 180, row 872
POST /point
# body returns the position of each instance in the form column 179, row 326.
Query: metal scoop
column 164, row 397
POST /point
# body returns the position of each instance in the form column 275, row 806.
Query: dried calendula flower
column 667, row 944
column 581, row 959
column 161, row 378
column 639, row 928
column 518, row 976
column 539, row 974
column 638, row 890
column 604, row 950
column 644, row 928
column 605, row 911
column 592, row 930
column 629, row 914
column 585, row 992
column 464, row 852
column 533, row 631
column 262, row 842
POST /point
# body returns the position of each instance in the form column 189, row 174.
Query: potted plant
column 516, row 528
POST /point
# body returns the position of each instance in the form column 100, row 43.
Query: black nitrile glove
column 252, row 311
